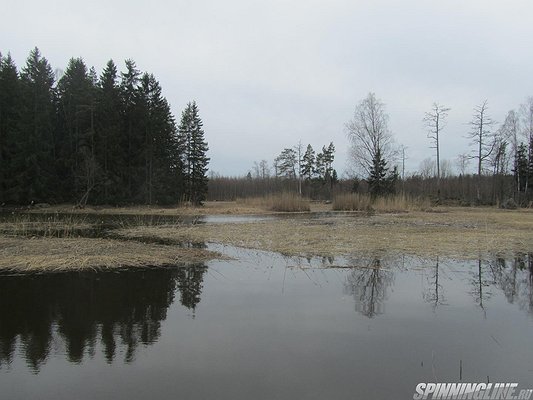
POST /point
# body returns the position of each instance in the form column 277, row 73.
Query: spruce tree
column 133, row 139
column 10, row 139
column 34, row 170
column 109, row 139
column 193, row 147
column 161, row 158
column 377, row 183
column 78, row 166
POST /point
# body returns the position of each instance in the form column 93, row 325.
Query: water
column 267, row 327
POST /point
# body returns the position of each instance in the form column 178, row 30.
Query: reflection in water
column 119, row 310
column 481, row 284
column 434, row 294
column 368, row 285
column 515, row 279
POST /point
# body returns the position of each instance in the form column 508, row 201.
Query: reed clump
column 280, row 202
column 365, row 202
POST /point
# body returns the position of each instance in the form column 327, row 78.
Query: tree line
column 299, row 167
column 81, row 137
column 503, row 157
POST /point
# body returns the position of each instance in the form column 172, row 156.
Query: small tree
column 381, row 182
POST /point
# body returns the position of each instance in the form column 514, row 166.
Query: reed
column 364, row 202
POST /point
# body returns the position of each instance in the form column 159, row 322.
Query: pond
column 264, row 326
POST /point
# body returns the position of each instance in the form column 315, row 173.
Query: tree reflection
column 368, row 285
column 515, row 279
column 481, row 284
column 434, row 293
column 82, row 310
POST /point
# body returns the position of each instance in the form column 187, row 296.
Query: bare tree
column 435, row 121
column 446, row 168
column 482, row 137
column 369, row 133
column 526, row 110
column 462, row 161
column 264, row 169
column 299, row 149
column 427, row 168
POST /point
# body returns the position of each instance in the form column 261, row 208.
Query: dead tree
column 482, row 138
column 435, row 121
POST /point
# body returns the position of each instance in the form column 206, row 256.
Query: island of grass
column 63, row 239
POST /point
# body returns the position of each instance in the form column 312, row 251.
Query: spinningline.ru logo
column 475, row 391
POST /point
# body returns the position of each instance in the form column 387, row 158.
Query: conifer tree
column 132, row 138
column 193, row 147
column 377, row 182
column 76, row 131
column 308, row 163
column 10, row 105
column 34, row 169
column 109, row 131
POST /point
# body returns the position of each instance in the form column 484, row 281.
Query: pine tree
column 308, row 163
column 286, row 163
column 193, row 147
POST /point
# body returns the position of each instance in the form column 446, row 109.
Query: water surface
column 267, row 327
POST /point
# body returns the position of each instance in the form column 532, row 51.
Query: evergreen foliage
column 193, row 147
column 381, row 181
column 93, row 139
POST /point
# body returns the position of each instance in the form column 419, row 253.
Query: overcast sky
column 266, row 74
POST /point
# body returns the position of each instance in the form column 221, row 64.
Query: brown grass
column 248, row 206
column 19, row 254
column 53, row 225
column 281, row 202
column 364, row 202
column 461, row 233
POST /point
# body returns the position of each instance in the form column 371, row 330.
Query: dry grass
column 364, row 202
column 54, row 254
column 248, row 206
column 282, row 202
column 460, row 233
column 51, row 226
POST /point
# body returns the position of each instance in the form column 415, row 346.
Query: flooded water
column 267, row 327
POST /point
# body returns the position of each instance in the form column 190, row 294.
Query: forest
column 79, row 138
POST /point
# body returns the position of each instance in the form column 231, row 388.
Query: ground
column 465, row 233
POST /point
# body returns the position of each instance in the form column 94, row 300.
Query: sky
column 268, row 74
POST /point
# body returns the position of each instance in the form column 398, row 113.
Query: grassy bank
column 22, row 254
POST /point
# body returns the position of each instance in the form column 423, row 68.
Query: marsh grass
column 464, row 233
column 364, row 202
column 19, row 254
column 281, row 202
column 49, row 225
